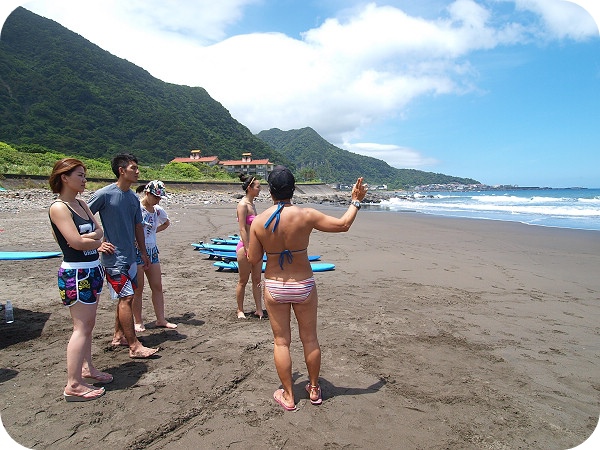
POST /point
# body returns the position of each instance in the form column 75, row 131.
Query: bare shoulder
column 310, row 212
column 58, row 206
column 59, row 212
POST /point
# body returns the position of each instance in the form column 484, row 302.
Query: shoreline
column 12, row 200
column 465, row 333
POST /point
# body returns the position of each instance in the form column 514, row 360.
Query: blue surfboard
column 215, row 247
column 14, row 256
column 233, row 266
column 229, row 241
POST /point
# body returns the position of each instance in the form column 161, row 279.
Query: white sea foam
column 566, row 208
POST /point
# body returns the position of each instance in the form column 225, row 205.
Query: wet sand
column 436, row 333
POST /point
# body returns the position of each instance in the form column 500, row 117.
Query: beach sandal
column 309, row 388
column 279, row 399
column 102, row 378
column 85, row 397
column 168, row 325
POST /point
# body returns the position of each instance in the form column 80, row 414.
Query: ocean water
column 564, row 208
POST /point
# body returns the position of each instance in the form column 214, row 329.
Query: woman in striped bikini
column 283, row 232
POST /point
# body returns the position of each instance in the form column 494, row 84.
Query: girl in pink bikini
column 283, row 232
column 246, row 211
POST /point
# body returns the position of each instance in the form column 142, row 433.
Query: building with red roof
column 260, row 167
column 196, row 156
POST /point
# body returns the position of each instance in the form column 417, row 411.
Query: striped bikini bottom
column 290, row 291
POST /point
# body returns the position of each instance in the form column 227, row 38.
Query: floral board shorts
column 80, row 284
column 152, row 252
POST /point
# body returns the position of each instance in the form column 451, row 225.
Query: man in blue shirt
column 121, row 216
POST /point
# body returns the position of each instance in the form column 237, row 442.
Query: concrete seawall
column 13, row 181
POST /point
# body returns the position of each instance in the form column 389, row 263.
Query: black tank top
column 84, row 226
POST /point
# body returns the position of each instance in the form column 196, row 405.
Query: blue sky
column 502, row 91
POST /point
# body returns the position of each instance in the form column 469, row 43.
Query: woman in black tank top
column 80, row 277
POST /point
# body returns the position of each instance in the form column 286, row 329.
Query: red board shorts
column 122, row 280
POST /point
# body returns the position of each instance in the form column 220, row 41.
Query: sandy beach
column 436, row 333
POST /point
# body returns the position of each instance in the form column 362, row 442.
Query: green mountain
column 62, row 92
column 310, row 152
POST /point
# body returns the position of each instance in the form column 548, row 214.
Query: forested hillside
column 60, row 91
column 63, row 94
column 309, row 151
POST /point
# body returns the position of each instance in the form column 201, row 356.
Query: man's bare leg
column 125, row 328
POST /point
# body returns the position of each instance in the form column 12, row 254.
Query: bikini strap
column 286, row 254
column 275, row 216
column 282, row 256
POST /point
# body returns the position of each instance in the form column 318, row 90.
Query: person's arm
column 323, row 222
column 94, row 205
column 98, row 232
column 163, row 219
column 95, row 202
column 163, row 226
column 140, row 234
column 255, row 250
column 140, row 239
column 60, row 215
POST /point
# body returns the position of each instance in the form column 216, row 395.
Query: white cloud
column 354, row 70
column 395, row 156
column 564, row 19
column 345, row 74
column 203, row 21
column 592, row 7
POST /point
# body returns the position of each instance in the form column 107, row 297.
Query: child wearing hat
column 155, row 219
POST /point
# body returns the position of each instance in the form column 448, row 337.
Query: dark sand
column 436, row 333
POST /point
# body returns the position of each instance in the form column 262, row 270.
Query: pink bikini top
column 249, row 219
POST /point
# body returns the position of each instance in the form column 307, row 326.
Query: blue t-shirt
column 119, row 212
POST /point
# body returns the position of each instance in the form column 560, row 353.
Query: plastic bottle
column 8, row 312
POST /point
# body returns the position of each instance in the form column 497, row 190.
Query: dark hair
column 122, row 160
column 282, row 183
column 140, row 189
column 64, row 166
column 246, row 180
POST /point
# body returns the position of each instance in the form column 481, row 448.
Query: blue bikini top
column 276, row 215
column 286, row 253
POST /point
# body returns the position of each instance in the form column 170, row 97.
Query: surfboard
column 215, row 247
column 14, row 256
column 233, row 266
column 232, row 256
column 229, row 241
